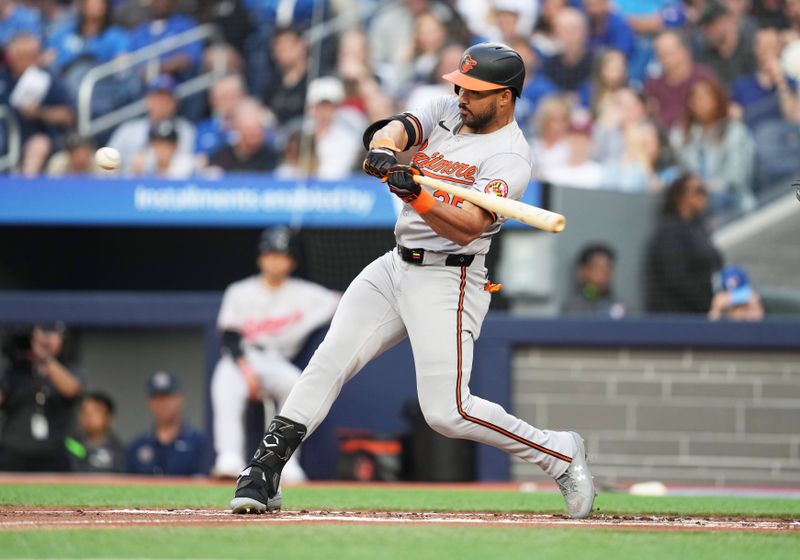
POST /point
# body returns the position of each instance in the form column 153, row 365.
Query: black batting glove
column 378, row 161
column 401, row 181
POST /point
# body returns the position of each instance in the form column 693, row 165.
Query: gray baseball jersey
column 439, row 306
column 498, row 162
column 278, row 319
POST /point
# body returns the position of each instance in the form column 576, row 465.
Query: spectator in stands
column 735, row 298
column 572, row 66
column 636, row 168
column 172, row 447
column 746, row 23
column 681, row 257
column 550, row 147
column 161, row 157
column 617, row 112
column 91, row 36
column 716, row 148
column 215, row 132
column 77, row 158
column 544, row 40
column 362, row 89
column 609, row 75
column 430, row 37
column 250, row 152
column 96, row 448
column 436, row 86
column 285, row 94
column 592, row 294
column 396, row 20
column 512, row 19
column 767, row 94
column 667, row 94
column 299, row 160
column 40, row 104
column 537, row 86
column 37, row 392
column 16, row 19
column 724, row 47
column 337, row 130
column 165, row 21
column 562, row 147
column 770, row 106
column 264, row 321
column 607, row 29
column 132, row 137
column 648, row 18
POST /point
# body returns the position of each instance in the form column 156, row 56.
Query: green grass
column 413, row 499
column 262, row 539
column 392, row 542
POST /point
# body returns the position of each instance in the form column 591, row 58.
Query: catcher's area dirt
column 16, row 518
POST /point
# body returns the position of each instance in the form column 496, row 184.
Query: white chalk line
column 385, row 518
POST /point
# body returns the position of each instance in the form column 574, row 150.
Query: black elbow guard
column 232, row 343
column 410, row 124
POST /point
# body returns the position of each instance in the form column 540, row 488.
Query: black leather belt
column 417, row 256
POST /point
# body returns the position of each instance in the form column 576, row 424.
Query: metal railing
column 13, row 139
column 148, row 56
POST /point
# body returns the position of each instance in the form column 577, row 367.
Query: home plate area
column 16, row 518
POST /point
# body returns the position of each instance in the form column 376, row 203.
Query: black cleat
column 254, row 493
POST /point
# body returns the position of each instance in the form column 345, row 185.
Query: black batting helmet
column 488, row 66
column 278, row 239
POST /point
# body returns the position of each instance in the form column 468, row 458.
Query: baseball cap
column 734, row 280
column 327, row 88
column 163, row 383
column 164, row 130
column 712, row 10
column 162, row 82
column 276, row 239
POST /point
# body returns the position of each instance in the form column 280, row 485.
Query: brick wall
column 673, row 415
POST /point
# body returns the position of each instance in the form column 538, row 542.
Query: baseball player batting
column 432, row 288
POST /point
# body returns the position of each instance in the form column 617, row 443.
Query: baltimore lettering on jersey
column 440, row 168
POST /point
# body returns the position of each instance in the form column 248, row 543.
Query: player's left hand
column 401, row 181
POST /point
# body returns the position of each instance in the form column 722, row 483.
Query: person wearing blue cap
column 735, row 297
column 172, row 447
column 132, row 137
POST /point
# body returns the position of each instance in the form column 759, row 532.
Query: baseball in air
column 790, row 59
column 107, row 158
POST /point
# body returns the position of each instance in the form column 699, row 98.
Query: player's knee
column 443, row 421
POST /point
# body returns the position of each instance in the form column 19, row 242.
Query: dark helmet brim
column 470, row 83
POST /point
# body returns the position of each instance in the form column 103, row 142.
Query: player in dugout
column 431, row 288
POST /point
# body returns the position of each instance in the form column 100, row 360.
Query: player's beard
column 479, row 121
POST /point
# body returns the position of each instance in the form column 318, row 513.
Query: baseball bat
column 525, row 213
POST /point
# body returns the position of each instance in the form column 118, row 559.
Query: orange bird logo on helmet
column 468, row 64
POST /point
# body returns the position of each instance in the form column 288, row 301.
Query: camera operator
column 37, row 392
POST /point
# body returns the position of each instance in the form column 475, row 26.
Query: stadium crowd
column 619, row 95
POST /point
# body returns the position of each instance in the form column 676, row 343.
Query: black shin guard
column 283, row 436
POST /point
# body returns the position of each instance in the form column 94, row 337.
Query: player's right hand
column 378, row 162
